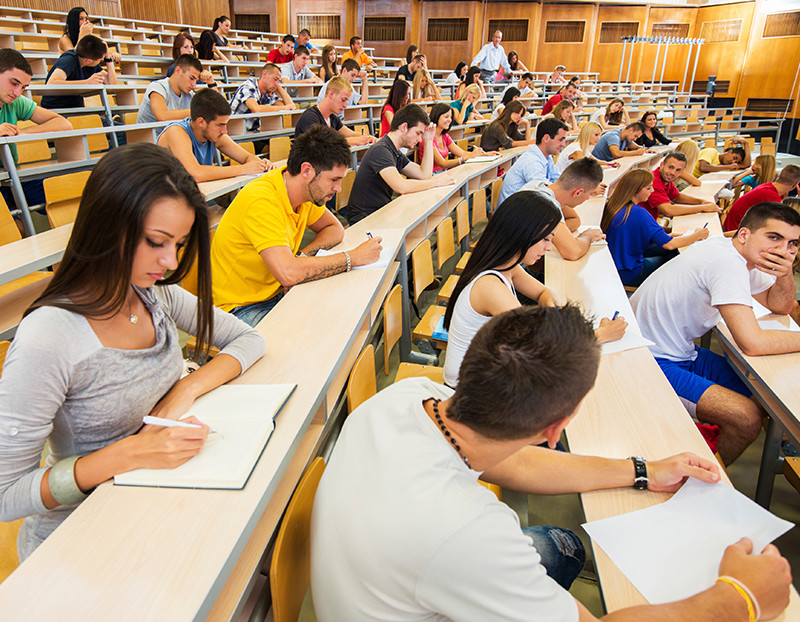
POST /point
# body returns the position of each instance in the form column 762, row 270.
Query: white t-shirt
column 678, row 302
column 563, row 158
column 542, row 187
column 402, row 531
column 597, row 115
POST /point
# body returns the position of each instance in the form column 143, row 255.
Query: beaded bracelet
column 62, row 484
column 349, row 264
column 753, row 609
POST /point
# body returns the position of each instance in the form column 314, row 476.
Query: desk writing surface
column 33, row 253
column 690, row 222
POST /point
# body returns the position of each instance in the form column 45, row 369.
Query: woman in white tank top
column 519, row 232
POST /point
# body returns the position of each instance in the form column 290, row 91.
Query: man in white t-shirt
column 718, row 279
column 401, row 529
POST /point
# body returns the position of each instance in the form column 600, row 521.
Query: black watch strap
column 108, row 60
column 640, row 472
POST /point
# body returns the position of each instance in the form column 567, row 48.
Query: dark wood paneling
column 111, row 8
column 606, row 56
column 725, row 60
column 376, row 8
column 516, row 10
column 320, row 7
column 575, row 56
column 448, row 54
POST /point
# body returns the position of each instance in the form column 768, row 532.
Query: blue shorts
column 691, row 379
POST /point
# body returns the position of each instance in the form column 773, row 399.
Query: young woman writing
column 442, row 117
column 508, row 130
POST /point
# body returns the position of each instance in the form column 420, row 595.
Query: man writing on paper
column 256, row 255
column 717, row 279
column 414, row 536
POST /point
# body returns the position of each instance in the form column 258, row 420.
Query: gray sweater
column 60, row 383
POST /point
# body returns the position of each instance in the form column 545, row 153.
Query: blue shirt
column 203, row 152
column 530, row 166
column 491, row 58
column 601, row 150
column 309, row 46
column 627, row 241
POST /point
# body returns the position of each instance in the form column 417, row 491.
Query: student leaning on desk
column 99, row 350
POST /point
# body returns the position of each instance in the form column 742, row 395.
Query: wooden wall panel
column 257, row 7
column 446, row 54
column 411, row 9
column 155, row 10
column 606, row 56
column 320, row 7
column 514, row 10
column 203, row 13
column 575, row 56
column 676, row 57
column 725, row 60
column 111, row 8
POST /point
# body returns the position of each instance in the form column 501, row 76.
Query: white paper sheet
column 776, row 325
column 387, row 252
column 672, row 550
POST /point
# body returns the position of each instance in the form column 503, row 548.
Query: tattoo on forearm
column 313, row 247
column 322, row 272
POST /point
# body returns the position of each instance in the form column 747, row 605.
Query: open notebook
column 242, row 417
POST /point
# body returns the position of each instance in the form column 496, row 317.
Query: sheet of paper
column 776, row 325
column 387, row 253
column 485, row 158
column 672, row 550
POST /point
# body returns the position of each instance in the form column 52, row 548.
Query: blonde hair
column 472, row 88
column 766, row 169
column 560, row 107
column 690, row 149
column 585, row 135
column 338, row 84
column 417, row 84
column 627, row 187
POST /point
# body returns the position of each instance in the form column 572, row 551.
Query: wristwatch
column 640, row 470
column 108, row 60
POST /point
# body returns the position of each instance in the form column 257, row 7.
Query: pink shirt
column 443, row 151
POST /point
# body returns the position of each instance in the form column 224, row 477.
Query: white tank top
column 463, row 326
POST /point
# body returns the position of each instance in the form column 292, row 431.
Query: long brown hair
column 614, row 118
column 622, row 197
column 331, row 69
column 94, row 277
column 766, row 168
column 504, row 120
column 177, row 44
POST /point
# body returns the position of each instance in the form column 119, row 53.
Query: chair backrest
column 97, row 142
column 4, row 345
column 279, row 148
column 497, row 186
column 445, row 247
column 462, row 220
column 34, row 151
column 290, row 571
column 343, row 196
column 63, row 195
column 478, row 206
column 362, row 383
column 463, row 143
column 249, row 147
column 130, row 117
column 422, row 266
column 392, row 323
column 9, row 232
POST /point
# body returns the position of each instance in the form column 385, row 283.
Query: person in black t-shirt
column 83, row 65
column 326, row 112
column 406, row 72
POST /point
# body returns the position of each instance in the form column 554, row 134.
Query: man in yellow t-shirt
column 254, row 256
column 358, row 54
column 737, row 156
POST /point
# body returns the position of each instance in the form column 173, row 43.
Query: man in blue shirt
column 537, row 164
column 491, row 57
column 90, row 63
column 619, row 143
column 304, row 39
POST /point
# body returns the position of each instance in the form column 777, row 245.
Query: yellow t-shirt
column 710, row 155
column 362, row 60
column 260, row 217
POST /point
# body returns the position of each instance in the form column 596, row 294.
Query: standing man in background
column 491, row 57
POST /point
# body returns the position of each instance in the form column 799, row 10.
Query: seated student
column 638, row 244
column 15, row 76
column 578, row 99
column 582, row 147
column 536, row 164
column 262, row 94
column 788, row 180
column 665, row 199
column 509, row 130
column 733, row 158
column 718, row 280
column 379, row 174
column 220, row 30
column 579, row 181
column 407, row 72
column 424, row 88
column 473, row 76
column 613, row 115
column 690, row 149
column 99, row 349
column 619, row 143
column 327, row 113
column 328, row 68
column 297, row 71
column 400, row 493
column 76, row 26
column 168, row 99
column 398, row 96
column 514, row 64
column 520, row 232
column 442, row 119
column 357, row 53
column 350, row 72
column 651, row 136
column 207, row 49
column 458, row 73
column 184, row 44
column 557, row 77
column 565, row 111
column 83, row 65
column 565, row 92
column 284, row 53
column 464, row 108
column 523, row 86
column 762, row 172
column 195, row 140
column 510, row 94
column 256, row 255
column 304, row 39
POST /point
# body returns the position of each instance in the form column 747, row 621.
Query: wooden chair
column 478, row 206
column 445, row 249
column 63, row 194
column 767, row 146
column 8, row 531
column 362, row 383
column 97, row 142
column 392, row 331
column 290, row 570
column 10, row 233
column 343, row 196
column 422, row 266
column 34, row 151
column 279, row 148
column 462, row 231
column 249, row 147
column 791, row 470
column 497, row 184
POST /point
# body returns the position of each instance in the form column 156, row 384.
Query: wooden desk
column 33, row 253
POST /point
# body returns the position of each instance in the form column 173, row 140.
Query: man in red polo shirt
column 284, row 53
column 776, row 191
column 567, row 92
column 665, row 199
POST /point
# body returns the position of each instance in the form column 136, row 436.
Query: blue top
column 750, row 180
column 530, row 166
column 69, row 63
column 203, row 152
column 627, row 241
column 459, row 104
column 601, row 150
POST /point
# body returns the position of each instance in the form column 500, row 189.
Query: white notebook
column 242, row 417
column 483, row 158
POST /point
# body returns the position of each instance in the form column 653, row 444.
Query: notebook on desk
column 484, row 158
column 243, row 419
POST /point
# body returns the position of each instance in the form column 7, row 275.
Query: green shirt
column 21, row 109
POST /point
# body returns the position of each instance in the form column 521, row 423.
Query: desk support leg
column 769, row 457
column 16, row 190
column 109, row 117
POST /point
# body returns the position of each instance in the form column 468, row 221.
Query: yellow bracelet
column 751, row 613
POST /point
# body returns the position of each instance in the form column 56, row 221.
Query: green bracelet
column 62, row 484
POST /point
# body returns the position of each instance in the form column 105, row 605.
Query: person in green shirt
column 15, row 76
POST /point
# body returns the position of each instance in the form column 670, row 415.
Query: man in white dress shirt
column 491, row 57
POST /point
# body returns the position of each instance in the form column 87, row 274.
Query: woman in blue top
column 637, row 242
column 762, row 172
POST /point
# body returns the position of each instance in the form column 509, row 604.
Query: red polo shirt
column 276, row 57
column 662, row 193
column 759, row 194
column 551, row 103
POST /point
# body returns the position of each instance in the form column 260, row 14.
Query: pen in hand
column 169, row 423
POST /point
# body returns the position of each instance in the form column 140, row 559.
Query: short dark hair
column 410, row 114
column 322, row 147
column 418, row 57
column 636, row 125
column 354, row 39
column 209, row 105
column 676, row 155
column 585, row 173
column 738, row 151
column 301, row 50
column 11, row 59
column 305, row 31
column 527, row 76
column 288, row 38
column 549, row 127
column 525, row 369
column 789, row 175
column 350, row 64
column 270, row 67
column 91, row 47
column 756, row 217
column 188, row 61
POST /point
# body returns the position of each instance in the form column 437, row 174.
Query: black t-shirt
column 405, row 72
column 370, row 192
column 68, row 63
column 311, row 117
